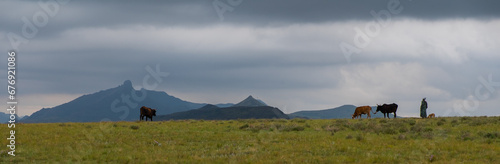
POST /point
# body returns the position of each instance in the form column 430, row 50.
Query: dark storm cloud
column 298, row 11
column 116, row 13
column 286, row 11
column 112, row 14
column 78, row 14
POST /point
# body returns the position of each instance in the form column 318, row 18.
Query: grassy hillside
column 441, row 140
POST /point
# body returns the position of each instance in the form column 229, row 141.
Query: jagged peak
column 250, row 101
column 127, row 84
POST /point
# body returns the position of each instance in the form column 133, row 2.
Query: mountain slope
column 224, row 105
column 215, row 113
column 115, row 104
column 344, row 111
column 339, row 112
column 246, row 109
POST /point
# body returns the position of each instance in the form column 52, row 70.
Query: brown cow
column 432, row 115
column 362, row 110
column 148, row 113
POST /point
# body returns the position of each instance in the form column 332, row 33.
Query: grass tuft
column 135, row 127
column 299, row 120
column 465, row 136
column 244, row 126
column 360, row 137
column 412, row 122
column 490, row 135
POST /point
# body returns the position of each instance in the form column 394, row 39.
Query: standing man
column 423, row 108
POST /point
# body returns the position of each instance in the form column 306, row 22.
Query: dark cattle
column 387, row 108
column 362, row 110
column 148, row 113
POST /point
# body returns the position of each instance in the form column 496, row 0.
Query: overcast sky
column 292, row 54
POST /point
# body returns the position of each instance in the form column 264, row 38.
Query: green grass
column 447, row 140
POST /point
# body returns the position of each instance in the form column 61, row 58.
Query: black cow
column 387, row 108
column 148, row 113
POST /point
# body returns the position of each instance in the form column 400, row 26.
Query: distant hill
column 113, row 104
column 250, row 101
column 344, row 111
column 5, row 117
column 212, row 112
column 224, row 105
column 246, row 109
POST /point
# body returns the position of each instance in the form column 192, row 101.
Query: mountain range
column 254, row 110
column 123, row 102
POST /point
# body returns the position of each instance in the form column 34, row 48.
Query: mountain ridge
column 249, row 108
column 120, row 103
column 227, row 113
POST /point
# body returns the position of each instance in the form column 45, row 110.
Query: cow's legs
column 394, row 114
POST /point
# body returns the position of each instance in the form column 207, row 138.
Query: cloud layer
column 285, row 52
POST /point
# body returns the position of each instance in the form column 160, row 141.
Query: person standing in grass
column 423, row 108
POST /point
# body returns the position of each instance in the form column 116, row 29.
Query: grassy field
column 440, row 140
